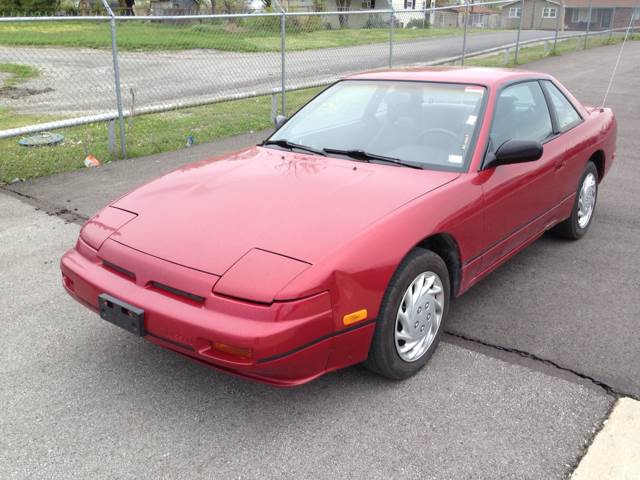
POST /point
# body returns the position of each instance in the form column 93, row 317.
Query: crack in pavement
column 532, row 356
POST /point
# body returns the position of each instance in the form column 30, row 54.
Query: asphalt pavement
column 82, row 396
column 578, row 303
column 79, row 81
column 551, row 337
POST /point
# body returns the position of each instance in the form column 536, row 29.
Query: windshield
column 424, row 124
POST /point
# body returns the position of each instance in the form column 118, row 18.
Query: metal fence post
column 586, row 35
column 116, row 75
column 515, row 61
column 274, row 105
column 613, row 16
column 555, row 35
column 464, row 37
column 283, row 38
column 391, row 27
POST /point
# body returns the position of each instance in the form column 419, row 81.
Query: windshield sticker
column 463, row 147
column 472, row 120
column 457, row 159
column 478, row 90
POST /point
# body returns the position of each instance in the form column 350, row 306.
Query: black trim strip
column 181, row 293
column 118, row 269
column 124, row 210
column 173, row 342
column 317, row 340
column 552, row 109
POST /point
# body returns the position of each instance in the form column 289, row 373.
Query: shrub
column 418, row 23
column 376, row 21
column 208, row 27
column 262, row 24
column 29, row 7
column 311, row 23
column 71, row 11
column 6, row 7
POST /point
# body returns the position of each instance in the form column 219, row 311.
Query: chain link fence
column 120, row 86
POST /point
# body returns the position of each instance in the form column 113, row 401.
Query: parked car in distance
column 344, row 236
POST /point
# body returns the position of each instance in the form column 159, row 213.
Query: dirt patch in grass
column 15, row 74
column 15, row 93
column 12, row 75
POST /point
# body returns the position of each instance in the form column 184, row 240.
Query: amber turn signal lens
column 231, row 350
column 355, row 317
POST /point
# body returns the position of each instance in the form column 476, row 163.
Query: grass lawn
column 164, row 132
column 16, row 74
column 536, row 52
column 146, row 134
column 253, row 35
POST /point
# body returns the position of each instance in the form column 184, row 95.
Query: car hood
column 209, row 214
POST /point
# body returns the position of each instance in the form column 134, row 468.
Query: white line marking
column 615, row 452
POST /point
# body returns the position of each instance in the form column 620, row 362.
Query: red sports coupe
column 343, row 237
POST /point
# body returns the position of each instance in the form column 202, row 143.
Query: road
column 511, row 401
column 76, row 82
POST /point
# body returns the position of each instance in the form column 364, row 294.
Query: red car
column 343, row 237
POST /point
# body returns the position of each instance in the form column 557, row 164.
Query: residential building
column 570, row 14
column 174, row 7
column 537, row 15
column 604, row 14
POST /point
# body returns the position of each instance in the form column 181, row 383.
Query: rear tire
column 412, row 316
column 577, row 225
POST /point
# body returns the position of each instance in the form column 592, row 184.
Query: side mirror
column 515, row 151
column 280, row 120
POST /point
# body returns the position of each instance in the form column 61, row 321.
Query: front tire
column 412, row 316
column 577, row 225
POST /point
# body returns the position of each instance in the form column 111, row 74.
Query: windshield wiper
column 283, row 143
column 368, row 157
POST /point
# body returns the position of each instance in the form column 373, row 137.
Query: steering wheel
column 439, row 131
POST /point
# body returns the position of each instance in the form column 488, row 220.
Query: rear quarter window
column 566, row 115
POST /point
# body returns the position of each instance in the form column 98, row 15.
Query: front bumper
column 290, row 342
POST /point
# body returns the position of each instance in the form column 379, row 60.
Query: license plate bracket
column 121, row 314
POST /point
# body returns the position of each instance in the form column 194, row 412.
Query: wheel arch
column 446, row 246
column 598, row 159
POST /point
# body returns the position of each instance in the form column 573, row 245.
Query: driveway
column 77, row 82
column 534, row 357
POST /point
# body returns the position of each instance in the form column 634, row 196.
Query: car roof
column 474, row 75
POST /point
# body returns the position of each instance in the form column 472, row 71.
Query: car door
column 568, row 138
column 517, row 197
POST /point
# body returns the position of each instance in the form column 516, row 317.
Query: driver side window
column 521, row 113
